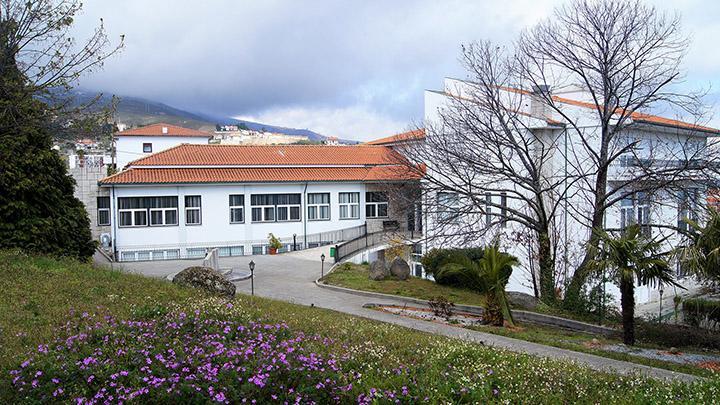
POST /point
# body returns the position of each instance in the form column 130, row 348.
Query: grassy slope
column 356, row 277
column 38, row 294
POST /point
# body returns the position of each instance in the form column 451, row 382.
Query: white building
column 228, row 136
column 179, row 202
column 657, row 137
column 133, row 144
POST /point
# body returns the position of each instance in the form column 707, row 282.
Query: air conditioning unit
column 105, row 241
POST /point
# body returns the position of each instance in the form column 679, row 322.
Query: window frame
column 148, row 210
column 232, row 207
column 349, row 205
column 275, row 207
column 376, row 205
column 193, row 208
column 318, row 207
column 146, row 146
column 448, row 210
column 103, row 209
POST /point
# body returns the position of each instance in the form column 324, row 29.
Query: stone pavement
column 291, row 277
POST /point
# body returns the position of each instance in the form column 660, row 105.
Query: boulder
column 207, row 279
column 522, row 300
column 378, row 271
column 400, row 269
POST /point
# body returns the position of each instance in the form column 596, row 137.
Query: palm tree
column 628, row 257
column 702, row 255
column 488, row 275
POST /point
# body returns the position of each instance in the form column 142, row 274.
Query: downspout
column 303, row 215
column 113, row 204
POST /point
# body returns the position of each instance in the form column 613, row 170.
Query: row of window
column 449, row 210
column 163, row 211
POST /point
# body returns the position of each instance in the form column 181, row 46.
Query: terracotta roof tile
column 416, row 134
column 259, row 175
column 157, row 130
column 275, row 155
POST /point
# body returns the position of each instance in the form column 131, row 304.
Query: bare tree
column 489, row 163
column 626, row 56
column 35, row 36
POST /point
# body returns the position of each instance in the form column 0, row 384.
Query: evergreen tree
column 38, row 211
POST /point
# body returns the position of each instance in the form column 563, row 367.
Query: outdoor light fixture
column 660, row 313
column 252, row 277
column 294, row 242
column 322, row 265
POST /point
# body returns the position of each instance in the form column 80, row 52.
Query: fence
column 369, row 240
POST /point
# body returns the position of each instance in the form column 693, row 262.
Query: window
column 237, row 208
column 318, row 206
column 258, row 249
column 195, row 252
column 275, row 207
column 147, row 148
column 193, row 214
column 226, row 251
column 376, row 204
column 103, row 211
column 139, row 211
column 349, row 205
column 686, row 209
column 503, row 209
column 635, row 209
column 488, row 209
column 447, row 206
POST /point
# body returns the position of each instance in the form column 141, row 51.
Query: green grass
column 38, row 295
column 355, row 276
column 576, row 341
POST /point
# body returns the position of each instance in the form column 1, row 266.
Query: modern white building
column 659, row 139
column 179, row 202
column 133, row 144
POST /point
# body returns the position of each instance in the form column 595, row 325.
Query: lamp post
column 294, row 242
column 660, row 312
column 322, row 265
column 252, row 277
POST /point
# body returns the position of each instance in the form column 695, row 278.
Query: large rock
column 522, row 300
column 206, row 279
column 378, row 271
column 400, row 269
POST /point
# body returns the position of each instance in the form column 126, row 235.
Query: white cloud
column 358, row 122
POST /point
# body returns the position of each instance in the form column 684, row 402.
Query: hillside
column 137, row 111
column 71, row 332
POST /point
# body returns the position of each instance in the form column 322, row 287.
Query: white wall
column 216, row 229
column 130, row 147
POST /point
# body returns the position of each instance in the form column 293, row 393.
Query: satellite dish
column 105, row 240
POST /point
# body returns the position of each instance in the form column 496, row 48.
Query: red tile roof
column 416, row 134
column 636, row 116
column 260, row 164
column 157, row 130
column 269, row 155
column 260, row 175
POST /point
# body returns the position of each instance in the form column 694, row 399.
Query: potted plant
column 274, row 244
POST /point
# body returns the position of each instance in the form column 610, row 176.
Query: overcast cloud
column 352, row 69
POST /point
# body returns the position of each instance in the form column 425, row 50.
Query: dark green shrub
column 699, row 311
column 433, row 260
column 671, row 335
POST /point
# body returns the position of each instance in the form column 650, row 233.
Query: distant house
column 133, row 144
column 332, row 141
column 179, row 202
column 85, row 144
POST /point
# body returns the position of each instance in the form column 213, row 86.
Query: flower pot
column 272, row 250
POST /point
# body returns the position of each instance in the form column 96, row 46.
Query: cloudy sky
column 352, row 69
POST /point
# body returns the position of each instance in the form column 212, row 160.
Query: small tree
column 702, row 255
column 628, row 257
column 489, row 275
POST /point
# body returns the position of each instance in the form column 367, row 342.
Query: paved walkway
column 290, row 277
